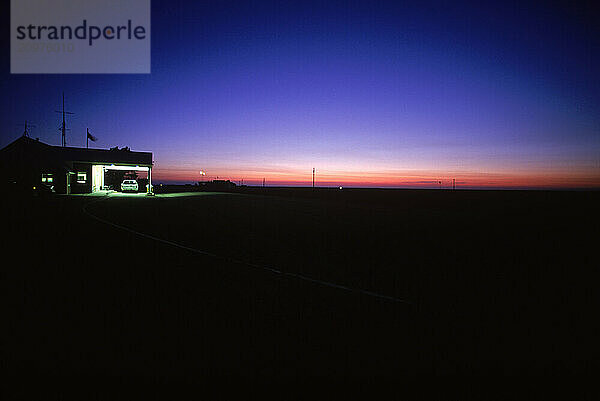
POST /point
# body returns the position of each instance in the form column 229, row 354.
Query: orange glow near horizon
column 581, row 179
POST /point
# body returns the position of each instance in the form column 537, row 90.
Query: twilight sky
column 397, row 94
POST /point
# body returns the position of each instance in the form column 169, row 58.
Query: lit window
column 47, row 178
column 81, row 178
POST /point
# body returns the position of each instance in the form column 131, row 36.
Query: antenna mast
column 25, row 131
column 64, row 125
column 63, row 128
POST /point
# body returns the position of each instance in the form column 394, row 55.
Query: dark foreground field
column 467, row 282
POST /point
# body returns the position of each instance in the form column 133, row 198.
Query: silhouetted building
column 69, row 170
column 218, row 185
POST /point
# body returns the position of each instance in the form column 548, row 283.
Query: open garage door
column 99, row 170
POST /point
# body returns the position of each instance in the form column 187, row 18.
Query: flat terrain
column 294, row 282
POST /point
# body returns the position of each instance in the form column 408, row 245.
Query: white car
column 129, row 185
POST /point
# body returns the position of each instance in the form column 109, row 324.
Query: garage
column 111, row 176
column 70, row 170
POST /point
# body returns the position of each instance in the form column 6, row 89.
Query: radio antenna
column 63, row 128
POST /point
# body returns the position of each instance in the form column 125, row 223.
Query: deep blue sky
column 370, row 93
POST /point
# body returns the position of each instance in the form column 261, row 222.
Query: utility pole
column 263, row 182
column 453, row 184
column 313, row 178
column 63, row 129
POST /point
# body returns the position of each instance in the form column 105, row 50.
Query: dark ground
column 495, row 282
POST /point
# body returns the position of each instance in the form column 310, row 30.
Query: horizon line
column 419, row 188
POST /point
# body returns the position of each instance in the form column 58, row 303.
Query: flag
column 91, row 137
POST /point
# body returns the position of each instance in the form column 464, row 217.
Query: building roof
column 34, row 148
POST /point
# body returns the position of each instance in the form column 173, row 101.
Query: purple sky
column 370, row 94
